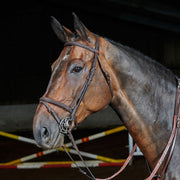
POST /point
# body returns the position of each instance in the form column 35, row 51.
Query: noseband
column 67, row 123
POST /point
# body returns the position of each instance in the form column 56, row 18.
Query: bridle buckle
column 65, row 125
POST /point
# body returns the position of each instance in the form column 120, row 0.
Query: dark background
column 29, row 47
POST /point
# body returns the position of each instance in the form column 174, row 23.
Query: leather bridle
column 67, row 123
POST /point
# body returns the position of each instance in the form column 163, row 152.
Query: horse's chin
column 59, row 141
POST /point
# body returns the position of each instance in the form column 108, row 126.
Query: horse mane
column 150, row 62
column 130, row 50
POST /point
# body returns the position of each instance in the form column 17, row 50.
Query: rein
column 66, row 124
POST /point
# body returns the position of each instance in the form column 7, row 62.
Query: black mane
column 151, row 64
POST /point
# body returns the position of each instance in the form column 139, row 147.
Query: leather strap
column 124, row 165
column 73, row 43
column 57, row 103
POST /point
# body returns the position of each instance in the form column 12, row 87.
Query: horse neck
column 144, row 97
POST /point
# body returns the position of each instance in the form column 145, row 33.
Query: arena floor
column 113, row 146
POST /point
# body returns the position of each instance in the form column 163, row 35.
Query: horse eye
column 76, row 69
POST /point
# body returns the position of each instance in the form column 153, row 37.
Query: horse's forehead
column 81, row 53
column 71, row 53
column 67, row 55
column 65, row 58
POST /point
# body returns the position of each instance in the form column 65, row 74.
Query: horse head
column 70, row 73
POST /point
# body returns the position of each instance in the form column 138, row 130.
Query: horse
column 93, row 72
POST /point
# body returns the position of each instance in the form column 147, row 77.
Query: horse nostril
column 45, row 134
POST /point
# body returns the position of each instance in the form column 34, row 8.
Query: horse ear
column 63, row 33
column 80, row 28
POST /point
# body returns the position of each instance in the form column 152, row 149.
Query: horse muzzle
column 47, row 134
